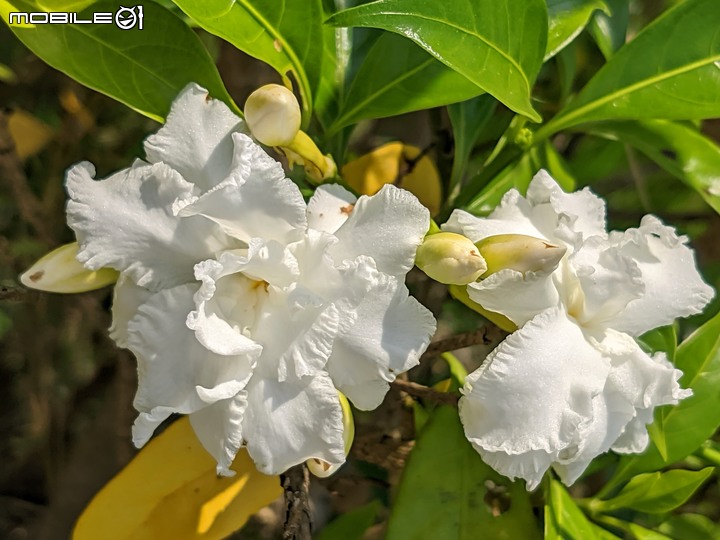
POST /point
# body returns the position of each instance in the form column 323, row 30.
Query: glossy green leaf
column 563, row 519
column 690, row 527
column 446, row 491
column 610, row 30
column 641, row 533
column 285, row 35
column 480, row 39
column 397, row 77
column 352, row 525
column 679, row 149
column 567, row 18
column 458, row 373
column 656, row 493
column 518, row 176
column 659, row 74
column 468, row 119
column 678, row 430
column 661, row 339
column 64, row 5
column 144, row 69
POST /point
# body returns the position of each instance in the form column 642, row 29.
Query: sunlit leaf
column 446, row 491
column 659, row 74
column 567, row 18
column 397, row 77
column 563, row 518
column 396, row 163
column 478, row 38
column 287, row 35
column 171, row 490
column 144, row 69
column 656, row 493
column 690, row 527
column 680, row 429
column 679, row 149
column 610, row 30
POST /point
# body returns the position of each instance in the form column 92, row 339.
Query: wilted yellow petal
column 459, row 292
column 370, row 172
column 60, row 272
column 171, row 490
column 29, row 134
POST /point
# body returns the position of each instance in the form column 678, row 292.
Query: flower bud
column 59, row 271
column 273, row 115
column 323, row 469
column 450, row 258
column 519, row 252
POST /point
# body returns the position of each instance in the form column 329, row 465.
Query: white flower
column 245, row 307
column 572, row 382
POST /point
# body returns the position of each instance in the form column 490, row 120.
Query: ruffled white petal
column 219, row 429
column 255, row 201
column 673, row 285
column 391, row 331
column 125, row 222
column 516, row 295
column 289, row 422
column 196, row 139
column 531, row 403
column 329, row 207
column 176, row 374
column 127, row 298
column 389, row 227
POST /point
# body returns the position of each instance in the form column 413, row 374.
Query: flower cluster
column 572, row 382
column 247, row 308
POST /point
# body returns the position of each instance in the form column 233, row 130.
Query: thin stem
column 485, row 335
column 424, row 392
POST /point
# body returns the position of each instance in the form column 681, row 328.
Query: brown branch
column 407, row 165
column 484, row 335
column 425, row 392
column 298, row 521
column 11, row 172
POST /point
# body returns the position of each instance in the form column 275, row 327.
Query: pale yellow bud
column 323, row 469
column 519, row 252
column 273, row 115
column 450, row 258
column 59, row 271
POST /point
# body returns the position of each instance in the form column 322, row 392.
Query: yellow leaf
column 370, row 172
column 59, row 271
column 29, row 134
column 170, row 490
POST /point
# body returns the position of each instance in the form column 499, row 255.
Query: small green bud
column 450, row 258
column 273, row 115
column 323, row 469
column 59, row 271
column 519, row 252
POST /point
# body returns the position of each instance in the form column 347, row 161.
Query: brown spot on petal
column 347, row 209
column 37, row 276
column 208, row 98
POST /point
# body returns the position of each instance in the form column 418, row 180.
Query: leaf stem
column 425, row 392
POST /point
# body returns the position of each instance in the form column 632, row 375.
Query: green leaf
column 286, row 35
column 563, row 519
column 610, row 31
column 656, row 493
column 661, row 339
column 567, row 18
column 690, row 527
column 678, row 430
column 641, row 533
column 144, row 69
column 518, row 176
column 446, row 491
column 659, row 74
column 679, row 149
column 397, row 77
column 352, row 525
column 458, row 373
column 468, row 119
column 7, row 75
column 478, row 38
